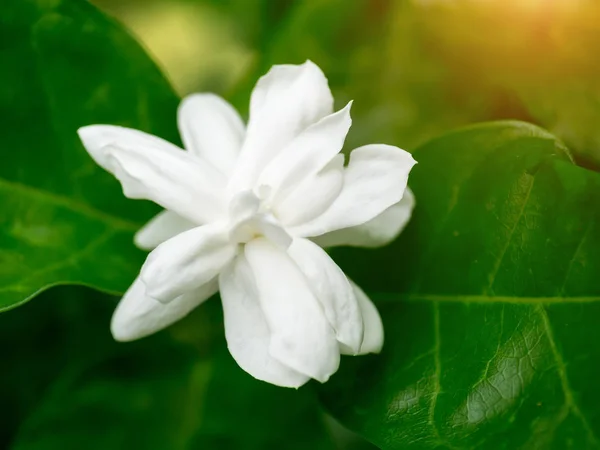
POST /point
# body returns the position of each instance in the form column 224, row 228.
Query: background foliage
column 490, row 298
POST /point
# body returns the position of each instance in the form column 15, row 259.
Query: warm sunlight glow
column 195, row 45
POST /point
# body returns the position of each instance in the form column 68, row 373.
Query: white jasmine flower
column 245, row 207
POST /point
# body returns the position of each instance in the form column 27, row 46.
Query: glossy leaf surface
column 64, row 220
column 491, row 305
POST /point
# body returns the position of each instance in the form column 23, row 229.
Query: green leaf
column 41, row 338
column 102, row 394
column 70, row 386
column 243, row 413
column 64, row 220
column 490, row 301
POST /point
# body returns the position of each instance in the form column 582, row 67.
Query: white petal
column 160, row 228
column 307, row 154
column 313, row 196
column 212, row 129
column 96, row 138
column 153, row 169
column 139, row 315
column 374, row 180
column 246, row 329
column 186, row 261
column 301, row 337
column 284, row 102
column 174, row 179
column 331, row 287
column 243, row 206
column 378, row 231
column 373, row 339
column 247, row 222
column 302, row 85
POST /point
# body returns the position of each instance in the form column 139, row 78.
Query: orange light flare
column 514, row 41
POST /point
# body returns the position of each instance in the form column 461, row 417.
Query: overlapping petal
column 313, row 196
column 152, row 169
column 96, row 139
column 247, row 221
column 301, row 336
column 374, row 180
column 285, row 101
column 248, row 335
column 187, row 261
column 307, row 154
column 211, row 129
column 160, row 228
column 139, row 315
column 333, row 290
column 378, row 231
column 373, row 326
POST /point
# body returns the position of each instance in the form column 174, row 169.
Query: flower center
column 251, row 217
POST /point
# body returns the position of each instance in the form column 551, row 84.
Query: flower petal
column 172, row 178
column 306, row 155
column 186, row 261
column 284, row 102
column 331, row 287
column 374, row 180
column 246, row 329
column 301, row 337
column 96, row 138
column 139, row 315
column 246, row 221
column 154, row 169
column 313, row 196
column 373, row 338
column 378, row 231
column 160, row 228
column 212, row 129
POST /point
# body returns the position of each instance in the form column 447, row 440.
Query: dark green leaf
column 64, row 220
column 103, row 394
column 40, row 339
column 70, row 386
column 243, row 413
column 490, row 300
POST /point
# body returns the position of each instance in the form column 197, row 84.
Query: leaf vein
column 71, row 260
column 73, row 205
column 496, row 268
column 437, row 370
column 575, row 255
column 485, row 298
column 561, row 370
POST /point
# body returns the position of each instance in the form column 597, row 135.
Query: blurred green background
column 415, row 67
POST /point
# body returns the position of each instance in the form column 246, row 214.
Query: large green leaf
column 68, row 385
column 490, row 300
column 63, row 219
column 241, row 413
column 144, row 395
